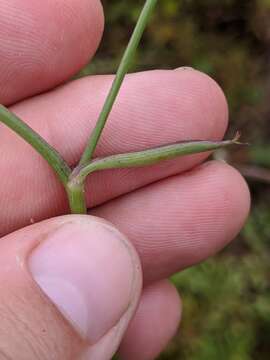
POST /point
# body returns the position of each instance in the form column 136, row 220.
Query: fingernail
column 86, row 269
column 183, row 68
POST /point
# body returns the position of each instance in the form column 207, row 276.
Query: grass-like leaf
column 151, row 156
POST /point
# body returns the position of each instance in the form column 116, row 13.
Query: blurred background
column 227, row 299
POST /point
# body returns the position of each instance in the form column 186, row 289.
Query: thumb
column 69, row 287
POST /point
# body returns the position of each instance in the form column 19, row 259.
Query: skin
column 175, row 214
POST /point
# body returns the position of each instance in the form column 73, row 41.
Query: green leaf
column 150, row 156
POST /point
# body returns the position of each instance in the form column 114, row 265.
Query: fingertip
column 242, row 194
column 155, row 323
column 170, row 295
column 75, row 31
column 93, row 29
column 209, row 97
column 196, row 214
column 54, row 39
column 232, row 199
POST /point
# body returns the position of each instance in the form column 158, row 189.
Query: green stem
column 37, row 142
column 122, row 70
column 76, row 197
column 149, row 157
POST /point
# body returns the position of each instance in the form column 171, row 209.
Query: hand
column 71, row 284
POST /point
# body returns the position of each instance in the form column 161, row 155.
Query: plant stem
column 76, row 197
column 122, row 70
column 149, row 157
column 37, row 142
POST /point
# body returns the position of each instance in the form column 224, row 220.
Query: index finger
column 43, row 43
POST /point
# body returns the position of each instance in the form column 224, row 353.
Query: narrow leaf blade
column 154, row 155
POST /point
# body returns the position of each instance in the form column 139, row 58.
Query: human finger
column 154, row 324
column 180, row 221
column 153, row 108
column 58, row 296
column 44, row 43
